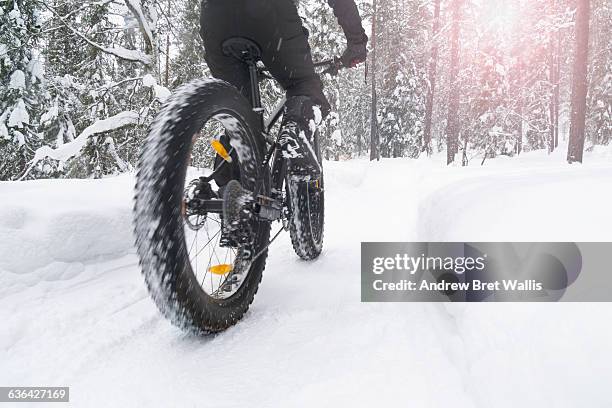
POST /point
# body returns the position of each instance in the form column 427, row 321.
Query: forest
column 80, row 81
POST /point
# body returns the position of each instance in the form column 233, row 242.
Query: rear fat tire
column 158, row 225
column 306, row 233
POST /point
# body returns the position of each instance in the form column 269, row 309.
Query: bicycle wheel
column 307, row 202
column 190, row 270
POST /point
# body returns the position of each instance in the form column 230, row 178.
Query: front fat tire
column 159, row 231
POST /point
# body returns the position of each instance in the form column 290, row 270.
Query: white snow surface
column 75, row 311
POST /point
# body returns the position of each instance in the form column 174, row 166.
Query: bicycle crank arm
column 199, row 206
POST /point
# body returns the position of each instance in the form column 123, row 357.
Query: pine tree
column 64, row 55
column 22, row 88
column 189, row 63
column 599, row 102
column 326, row 41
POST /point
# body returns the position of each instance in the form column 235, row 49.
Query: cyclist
column 277, row 28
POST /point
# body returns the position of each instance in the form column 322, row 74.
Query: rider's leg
column 297, row 138
column 216, row 22
column 276, row 26
column 291, row 65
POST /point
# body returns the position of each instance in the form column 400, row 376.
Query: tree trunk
column 519, row 137
column 361, row 130
column 433, row 62
column 452, row 124
column 557, row 85
column 551, row 79
column 374, row 153
column 579, row 83
column 167, row 74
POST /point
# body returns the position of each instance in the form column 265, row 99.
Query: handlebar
column 333, row 66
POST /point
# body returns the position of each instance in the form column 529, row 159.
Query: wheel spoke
column 207, row 252
column 206, row 244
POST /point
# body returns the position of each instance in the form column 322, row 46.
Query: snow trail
column 75, row 311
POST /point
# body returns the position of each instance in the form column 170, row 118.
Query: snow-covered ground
column 74, row 310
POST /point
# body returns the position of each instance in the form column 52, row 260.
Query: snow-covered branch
column 119, row 52
column 71, row 149
column 136, row 8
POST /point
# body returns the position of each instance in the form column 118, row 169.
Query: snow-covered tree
column 599, row 102
column 189, row 63
column 21, row 86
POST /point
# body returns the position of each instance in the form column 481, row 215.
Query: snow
column 149, row 81
column 75, row 310
column 336, row 137
column 129, row 55
column 51, row 114
column 3, row 129
column 499, row 69
column 36, row 70
column 15, row 15
column 19, row 115
column 20, row 137
column 71, row 149
column 161, row 92
column 18, row 80
column 136, row 7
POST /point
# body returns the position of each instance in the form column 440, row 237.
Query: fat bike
column 202, row 246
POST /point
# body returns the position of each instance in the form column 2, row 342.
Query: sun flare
column 500, row 15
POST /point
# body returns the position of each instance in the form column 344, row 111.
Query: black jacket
column 348, row 17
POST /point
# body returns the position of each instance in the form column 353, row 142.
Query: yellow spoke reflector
column 221, row 269
column 220, row 149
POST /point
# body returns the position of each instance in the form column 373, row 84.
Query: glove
column 354, row 54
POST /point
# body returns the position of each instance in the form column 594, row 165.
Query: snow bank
column 534, row 197
column 48, row 228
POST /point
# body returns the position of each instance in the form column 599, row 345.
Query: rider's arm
column 348, row 17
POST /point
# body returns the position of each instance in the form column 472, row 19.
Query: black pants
column 277, row 28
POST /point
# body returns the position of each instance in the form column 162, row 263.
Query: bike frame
column 268, row 208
